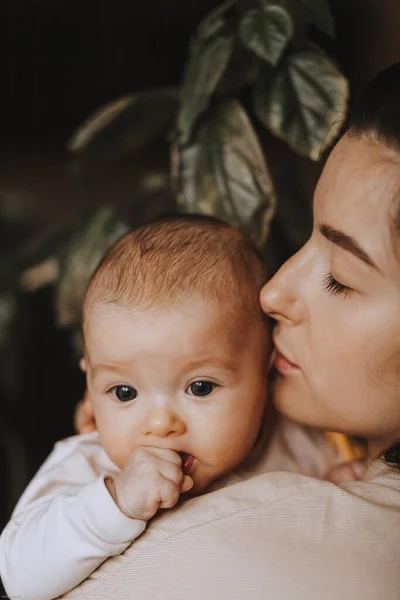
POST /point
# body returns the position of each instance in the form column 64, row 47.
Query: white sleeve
column 53, row 543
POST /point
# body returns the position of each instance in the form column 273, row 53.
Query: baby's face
column 177, row 379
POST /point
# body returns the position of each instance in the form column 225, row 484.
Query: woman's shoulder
column 380, row 486
column 271, row 492
column 249, row 534
column 294, row 501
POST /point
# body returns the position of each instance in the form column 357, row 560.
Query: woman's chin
column 298, row 407
column 292, row 402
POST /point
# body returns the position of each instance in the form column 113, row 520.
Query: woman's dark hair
column 376, row 113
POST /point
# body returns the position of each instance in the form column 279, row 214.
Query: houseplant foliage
column 252, row 66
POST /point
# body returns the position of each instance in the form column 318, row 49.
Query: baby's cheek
column 116, row 443
column 118, row 453
column 232, row 445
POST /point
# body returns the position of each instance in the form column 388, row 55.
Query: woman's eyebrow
column 346, row 242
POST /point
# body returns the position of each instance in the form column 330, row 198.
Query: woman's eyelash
column 335, row 287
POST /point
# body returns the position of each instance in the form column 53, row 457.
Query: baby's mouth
column 187, row 462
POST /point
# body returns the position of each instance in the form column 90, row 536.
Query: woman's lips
column 187, row 462
column 283, row 364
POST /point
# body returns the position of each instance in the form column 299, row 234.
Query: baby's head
column 176, row 345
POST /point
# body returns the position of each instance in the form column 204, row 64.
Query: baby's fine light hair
column 174, row 258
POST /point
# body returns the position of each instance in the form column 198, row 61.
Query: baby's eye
column 124, row 393
column 201, row 388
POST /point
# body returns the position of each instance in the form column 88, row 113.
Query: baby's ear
column 87, row 403
column 84, row 419
column 82, row 364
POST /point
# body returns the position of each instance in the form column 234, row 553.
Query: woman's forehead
column 359, row 175
column 362, row 166
column 359, row 194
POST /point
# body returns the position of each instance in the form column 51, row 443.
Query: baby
column 176, row 353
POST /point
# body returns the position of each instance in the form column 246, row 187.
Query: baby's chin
column 196, row 491
column 204, row 483
column 200, row 486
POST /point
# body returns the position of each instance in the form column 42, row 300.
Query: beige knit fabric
column 268, row 536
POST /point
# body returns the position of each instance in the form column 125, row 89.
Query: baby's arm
column 62, row 530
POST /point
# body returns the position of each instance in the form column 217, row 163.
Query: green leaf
column 266, row 30
column 240, row 73
column 207, row 63
column 223, row 172
column 81, row 256
column 304, row 103
column 318, row 12
column 215, row 21
column 123, row 127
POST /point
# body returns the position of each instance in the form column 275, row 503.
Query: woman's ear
column 82, row 364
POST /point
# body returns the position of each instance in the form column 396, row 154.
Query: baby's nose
column 162, row 421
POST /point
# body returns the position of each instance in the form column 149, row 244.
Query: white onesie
column 65, row 523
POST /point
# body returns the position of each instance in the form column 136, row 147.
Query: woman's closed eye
column 335, row 288
column 201, row 388
column 123, row 393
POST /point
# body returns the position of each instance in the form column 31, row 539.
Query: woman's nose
column 280, row 298
column 162, row 421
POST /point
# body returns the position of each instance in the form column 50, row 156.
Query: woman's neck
column 377, row 446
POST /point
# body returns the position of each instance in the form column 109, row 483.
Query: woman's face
column 337, row 302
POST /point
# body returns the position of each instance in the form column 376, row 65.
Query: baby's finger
column 169, row 470
column 169, row 493
column 187, row 484
column 166, row 455
column 360, row 468
column 341, row 474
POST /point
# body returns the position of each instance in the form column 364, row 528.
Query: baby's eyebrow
column 106, row 368
column 212, row 360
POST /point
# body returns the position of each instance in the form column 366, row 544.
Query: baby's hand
column 151, row 479
column 351, row 471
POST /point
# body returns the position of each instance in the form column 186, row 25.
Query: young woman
column 337, row 301
column 337, row 306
